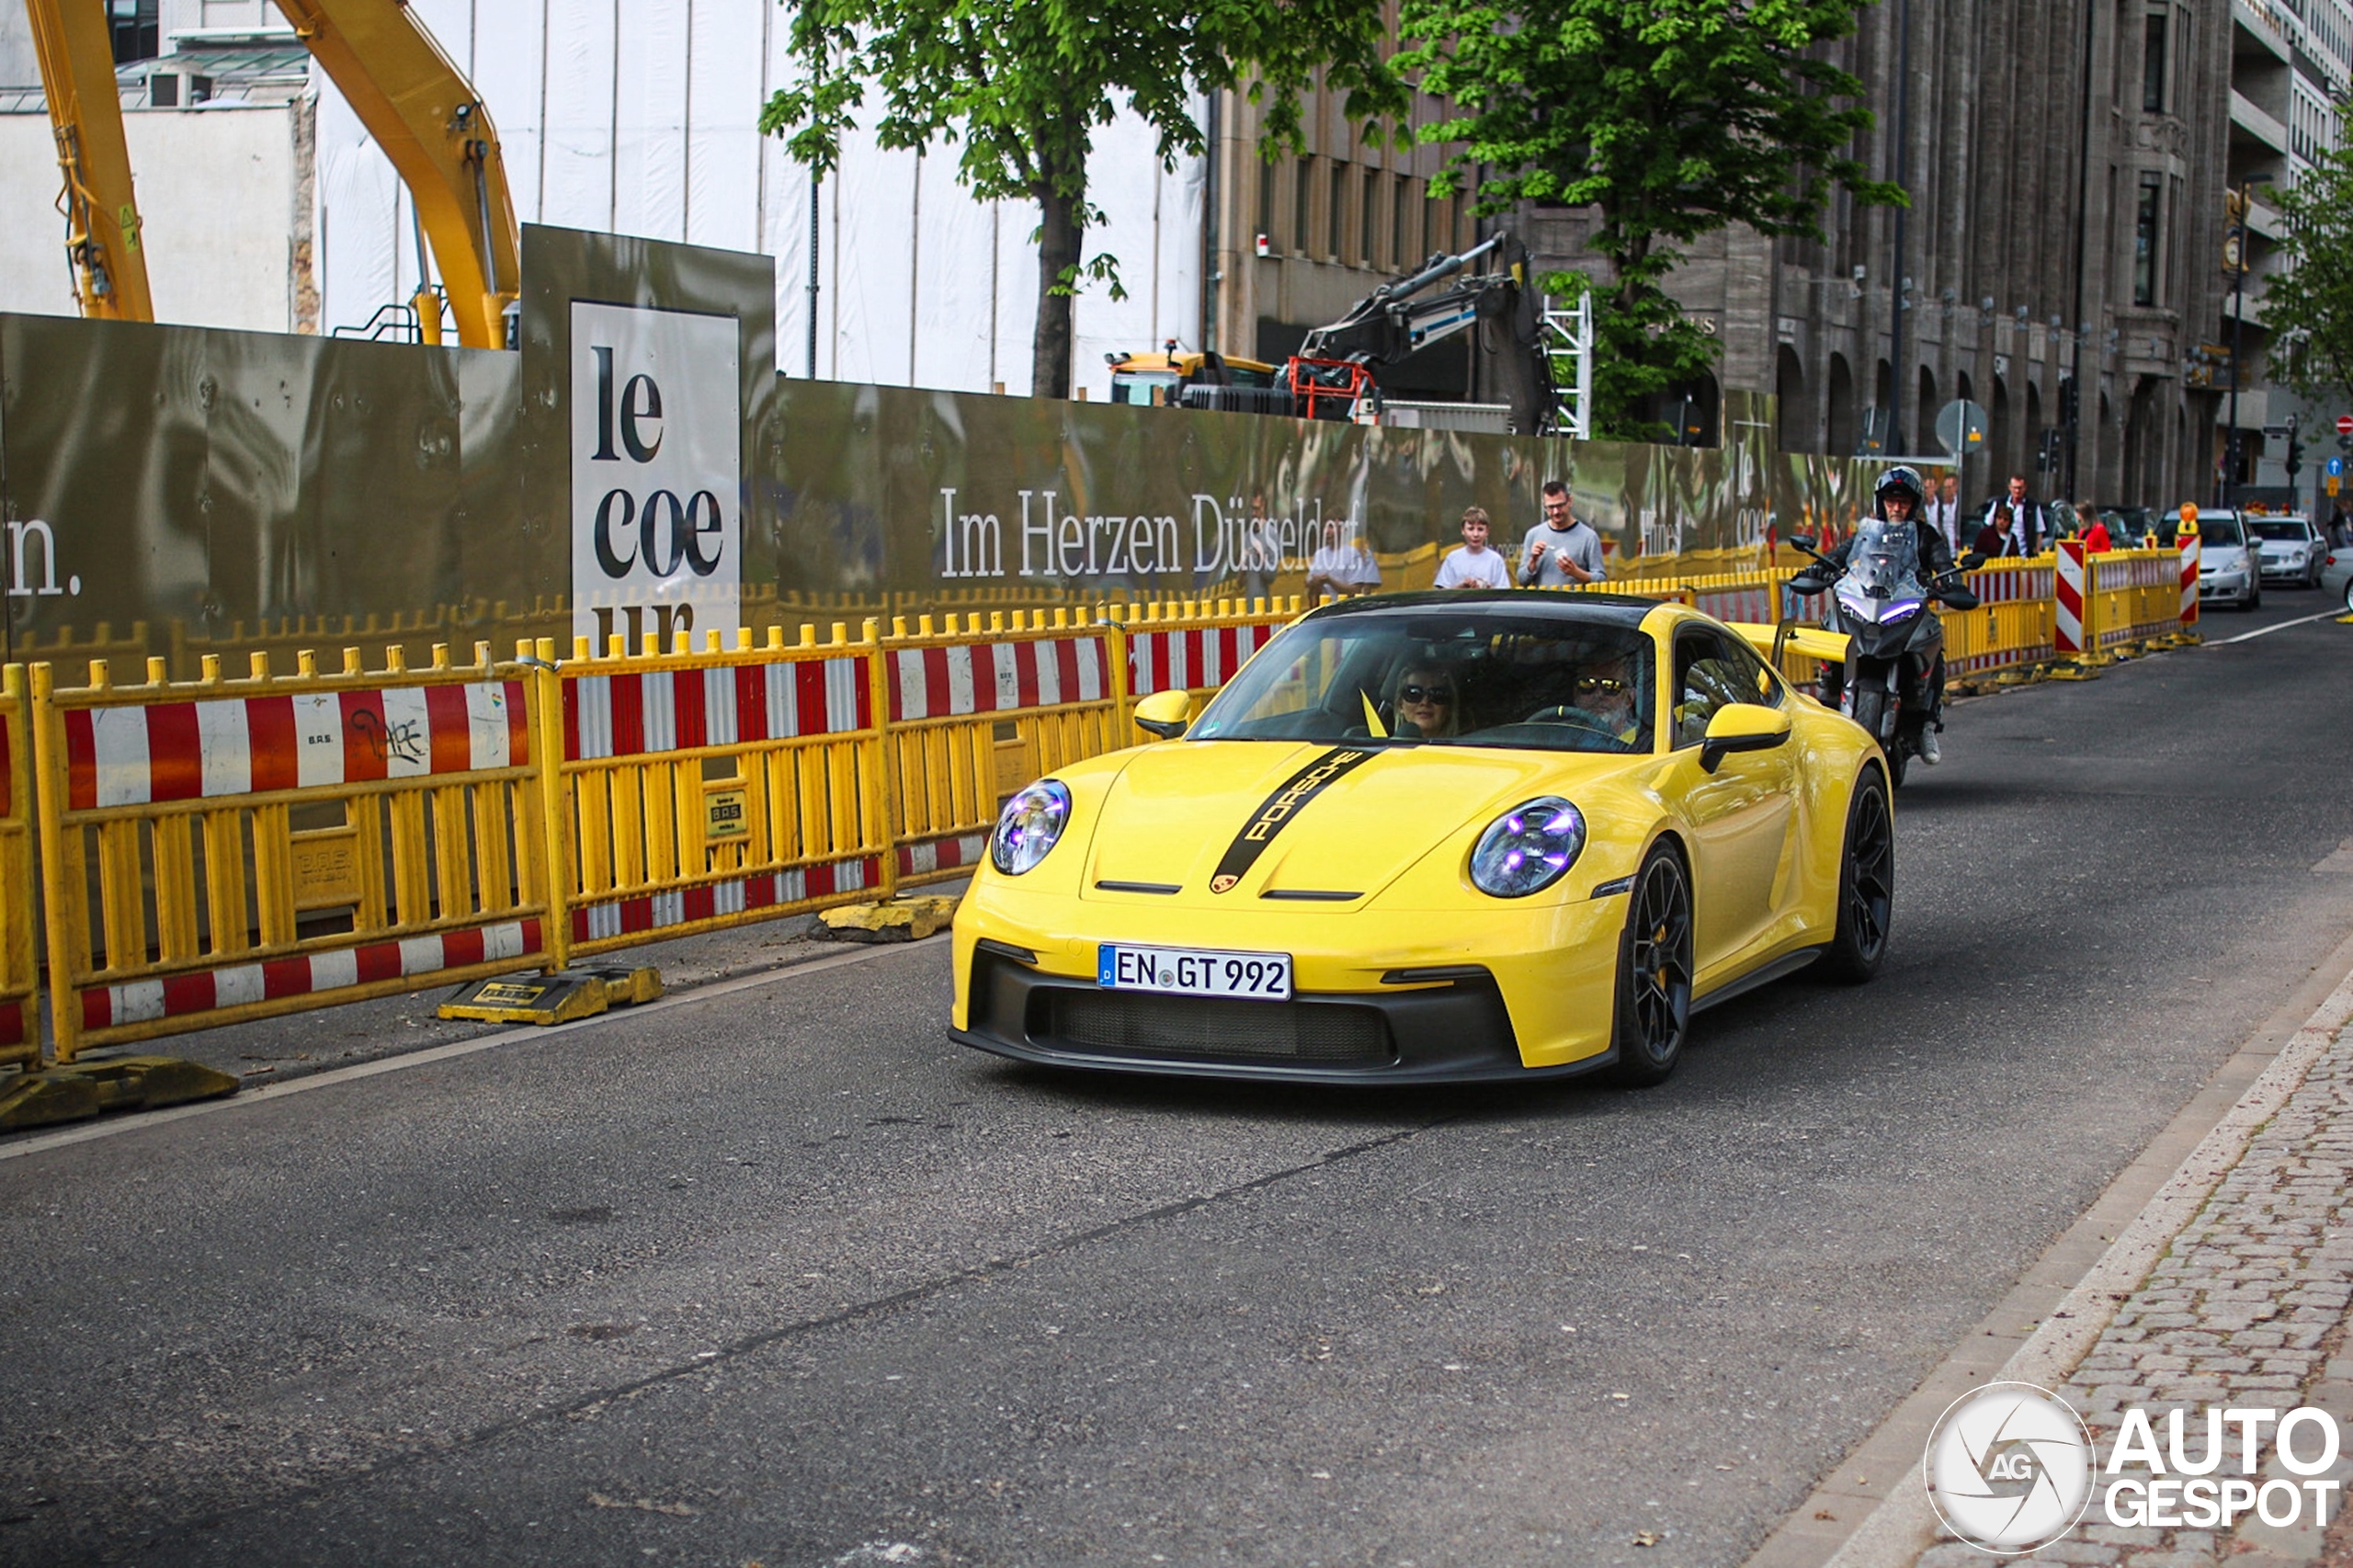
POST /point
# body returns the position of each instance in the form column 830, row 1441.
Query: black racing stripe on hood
column 1276, row 812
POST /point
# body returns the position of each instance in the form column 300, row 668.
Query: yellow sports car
column 1435, row 837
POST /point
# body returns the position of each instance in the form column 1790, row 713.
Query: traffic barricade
column 2133, row 598
column 2187, row 542
column 218, row 851
column 1197, row 646
column 977, row 712
column 19, row 976
column 2011, row 628
column 693, row 792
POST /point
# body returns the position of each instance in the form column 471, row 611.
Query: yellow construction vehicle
column 413, row 101
column 1176, row 379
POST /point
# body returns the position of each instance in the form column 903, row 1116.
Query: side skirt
column 1788, row 964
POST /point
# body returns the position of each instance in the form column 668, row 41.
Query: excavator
column 1336, row 374
column 413, row 101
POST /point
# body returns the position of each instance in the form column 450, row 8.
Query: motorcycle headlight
column 1030, row 824
column 1528, row 848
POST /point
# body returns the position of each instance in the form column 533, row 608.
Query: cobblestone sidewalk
column 2249, row 1308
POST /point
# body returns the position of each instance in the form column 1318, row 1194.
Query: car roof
column 1582, row 608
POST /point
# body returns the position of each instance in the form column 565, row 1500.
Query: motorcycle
column 1894, row 641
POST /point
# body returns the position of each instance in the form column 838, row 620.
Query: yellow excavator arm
column 101, row 217
column 425, row 115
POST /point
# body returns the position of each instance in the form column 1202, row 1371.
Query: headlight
column 1528, row 848
column 1030, row 824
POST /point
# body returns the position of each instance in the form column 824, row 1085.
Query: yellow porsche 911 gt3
column 1435, row 837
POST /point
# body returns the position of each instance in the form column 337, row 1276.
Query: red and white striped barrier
column 952, row 852
column 996, row 678
column 2067, row 607
column 1756, row 603
column 310, row 974
column 1190, row 660
column 185, row 751
column 645, row 913
column 663, row 710
column 2189, row 541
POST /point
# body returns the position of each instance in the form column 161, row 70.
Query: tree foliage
column 1023, row 85
column 2310, row 303
column 1671, row 118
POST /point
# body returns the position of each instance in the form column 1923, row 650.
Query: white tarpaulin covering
column 640, row 117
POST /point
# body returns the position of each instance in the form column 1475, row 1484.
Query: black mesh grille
column 1210, row 1027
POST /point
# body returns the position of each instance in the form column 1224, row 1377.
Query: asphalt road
column 781, row 1277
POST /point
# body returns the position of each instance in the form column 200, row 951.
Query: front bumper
column 2234, row 587
column 2287, row 571
column 1503, row 995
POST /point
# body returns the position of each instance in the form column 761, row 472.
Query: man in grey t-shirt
column 1560, row 550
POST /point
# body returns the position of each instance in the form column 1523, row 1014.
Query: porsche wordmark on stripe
column 1280, row 808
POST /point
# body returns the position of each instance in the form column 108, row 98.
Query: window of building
column 1339, row 225
column 2144, row 239
column 135, row 29
column 1266, row 200
column 2152, row 64
column 1401, row 210
column 1438, row 214
column 1303, row 198
column 1370, row 256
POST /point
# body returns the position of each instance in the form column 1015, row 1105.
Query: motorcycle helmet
column 1899, row 480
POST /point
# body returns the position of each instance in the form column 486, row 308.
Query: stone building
column 2068, row 167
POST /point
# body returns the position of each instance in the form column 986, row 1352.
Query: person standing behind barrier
column 1343, row 566
column 1560, row 551
column 1473, row 565
column 2093, row 530
column 2020, row 519
column 1944, row 512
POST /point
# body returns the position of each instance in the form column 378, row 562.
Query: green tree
column 1670, row 118
column 1023, row 84
column 2309, row 304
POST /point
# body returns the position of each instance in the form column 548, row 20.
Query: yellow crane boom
column 417, row 106
column 425, row 116
column 76, row 54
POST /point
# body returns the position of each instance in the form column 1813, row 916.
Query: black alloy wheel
column 1865, row 885
column 1654, row 973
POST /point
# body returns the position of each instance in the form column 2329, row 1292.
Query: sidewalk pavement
column 2248, row 1306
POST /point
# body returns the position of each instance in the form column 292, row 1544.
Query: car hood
column 1179, row 811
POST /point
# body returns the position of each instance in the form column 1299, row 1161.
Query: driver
column 1606, row 690
column 1897, row 499
column 1428, row 700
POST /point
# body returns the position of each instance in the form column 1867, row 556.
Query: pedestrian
column 2093, row 531
column 1944, row 512
column 1560, row 551
column 1475, row 565
column 1344, row 567
column 2020, row 519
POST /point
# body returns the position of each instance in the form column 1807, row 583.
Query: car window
column 1712, row 671
column 2218, row 531
column 2284, row 530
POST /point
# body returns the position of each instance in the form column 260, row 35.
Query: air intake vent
column 1327, row 1033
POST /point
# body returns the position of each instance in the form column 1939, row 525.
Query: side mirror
column 1802, row 542
column 1742, row 726
column 1165, row 714
column 1973, row 560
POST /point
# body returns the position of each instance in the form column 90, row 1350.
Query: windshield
column 1885, row 562
column 2288, row 530
column 1137, row 386
column 2218, row 531
column 1537, row 682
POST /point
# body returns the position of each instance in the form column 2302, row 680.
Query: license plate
column 1194, row 971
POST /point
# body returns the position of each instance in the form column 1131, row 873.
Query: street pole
column 2083, row 230
column 1902, row 173
column 2242, row 261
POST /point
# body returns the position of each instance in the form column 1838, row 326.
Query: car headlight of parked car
column 1030, row 824
column 1528, row 848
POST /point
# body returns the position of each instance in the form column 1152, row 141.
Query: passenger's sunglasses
column 1425, row 694
column 1603, row 684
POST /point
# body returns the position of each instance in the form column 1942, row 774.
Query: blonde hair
column 1477, row 514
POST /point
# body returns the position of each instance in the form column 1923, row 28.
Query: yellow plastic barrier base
column 557, row 998
column 900, row 920
column 100, row 1084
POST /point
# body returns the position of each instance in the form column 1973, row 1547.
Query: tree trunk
column 1060, row 235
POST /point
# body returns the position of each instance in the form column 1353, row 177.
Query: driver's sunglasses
column 1425, row 694
column 1603, row 684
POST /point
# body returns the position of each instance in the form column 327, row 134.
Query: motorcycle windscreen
column 1882, row 580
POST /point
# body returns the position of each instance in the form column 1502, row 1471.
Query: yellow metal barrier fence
column 218, row 851
column 2132, row 595
column 694, row 791
column 19, row 978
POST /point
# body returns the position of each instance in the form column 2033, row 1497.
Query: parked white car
column 2336, row 575
column 2292, row 549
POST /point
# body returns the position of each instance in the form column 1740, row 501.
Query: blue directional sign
column 2336, row 467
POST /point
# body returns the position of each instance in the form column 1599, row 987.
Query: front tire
column 1865, row 886
column 1653, row 974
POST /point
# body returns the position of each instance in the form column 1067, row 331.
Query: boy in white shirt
column 1475, row 565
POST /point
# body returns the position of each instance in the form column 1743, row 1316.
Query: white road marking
column 267, row 1094
column 2267, row 630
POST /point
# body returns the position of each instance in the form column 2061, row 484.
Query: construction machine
column 1175, row 379
column 416, row 105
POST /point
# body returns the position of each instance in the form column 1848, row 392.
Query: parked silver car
column 2292, row 549
column 2336, row 575
column 2228, row 568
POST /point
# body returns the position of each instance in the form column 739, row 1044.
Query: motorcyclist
column 1897, row 499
